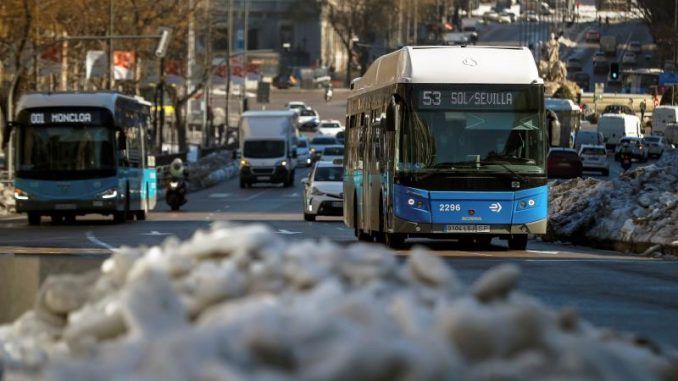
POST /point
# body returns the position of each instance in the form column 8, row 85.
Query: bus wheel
column 394, row 240
column 140, row 215
column 517, row 242
column 33, row 218
column 128, row 214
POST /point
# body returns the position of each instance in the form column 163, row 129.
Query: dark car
column 341, row 137
column 310, row 126
column 563, row 163
column 618, row 109
column 593, row 36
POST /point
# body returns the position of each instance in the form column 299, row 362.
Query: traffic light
column 614, row 71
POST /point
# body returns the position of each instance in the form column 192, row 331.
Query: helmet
column 177, row 164
column 177, row 168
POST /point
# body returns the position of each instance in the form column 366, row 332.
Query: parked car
column 318, row 145
column 332, row 153
column 330, row 127
column 574, row 64
column 629, row 58
column 490, row 16
column 503, row 19
column 588, row 137
column 509, row 14
column 638, row 150
column 593, row 36
column 594, row 158
column 303, row 152
column 635, row 46
column 324, row 191
column 656, row 145
column 618, row 109
column 563, row 163
column 531, row 16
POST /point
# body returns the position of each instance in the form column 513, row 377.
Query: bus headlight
column 20, row 194
column 109, row 194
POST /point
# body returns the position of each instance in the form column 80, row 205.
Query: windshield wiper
column 504, row 165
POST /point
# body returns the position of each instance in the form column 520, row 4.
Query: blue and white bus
column 81, row 153
column 447, row 142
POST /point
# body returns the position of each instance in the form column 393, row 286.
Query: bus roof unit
column 451, row 64
column 74, row 99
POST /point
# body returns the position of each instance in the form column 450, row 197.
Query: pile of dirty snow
column 639, row 206
column 7, row 202
column 240, row 303
column 207, row 171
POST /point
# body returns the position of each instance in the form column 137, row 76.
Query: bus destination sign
column 65, row 117
column 472, row 100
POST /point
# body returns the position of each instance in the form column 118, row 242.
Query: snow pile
column 7, row 202
column 210, row 170
column 639, row 206
column 240, row 303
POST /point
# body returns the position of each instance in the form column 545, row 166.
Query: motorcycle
column 626, row 161
column 175, row 195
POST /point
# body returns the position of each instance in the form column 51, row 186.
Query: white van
column 613, row 127
column 661, row 116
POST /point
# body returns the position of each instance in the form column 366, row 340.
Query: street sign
column 263, row 92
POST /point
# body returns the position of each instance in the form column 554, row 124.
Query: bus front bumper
column 79, row 207
column 414, row 229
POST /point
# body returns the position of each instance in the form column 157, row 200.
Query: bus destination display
column 473, row 100
column 65, row 117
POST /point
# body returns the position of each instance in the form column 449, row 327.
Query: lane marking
column 220, row 195
column 544, row 252
column 252, row 197
column 286, row 232
column 156, row 233
column 92, row 238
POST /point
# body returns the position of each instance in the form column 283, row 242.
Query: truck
column 267, row 145
column 608, row 45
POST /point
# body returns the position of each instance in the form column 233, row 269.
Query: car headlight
column 244, row 163
column 316, row 192
column 109, row 193
column 313, row 150
column 20, row 194
column 282, row 163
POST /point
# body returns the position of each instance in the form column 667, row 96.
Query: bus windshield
column 459, row 140
column 66, row 152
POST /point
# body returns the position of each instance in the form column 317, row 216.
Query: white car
column 594, row 158
column 330, row 127
column 324, row 191
column 655, row 145
column 308, row 117
column 332, row 153
column 303, row 152
column 319, row 143
column 504, row 19
column 296, row 105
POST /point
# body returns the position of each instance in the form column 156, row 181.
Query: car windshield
column 66, row 152
column 329, row 174
column 302, row 144
column 293, row 106
column 307, row 112
column 594, row 151
column 334, row 151
column 463, row 140
column 324, row 141
column 329, row 125
column 262, row 149
column 652, row 139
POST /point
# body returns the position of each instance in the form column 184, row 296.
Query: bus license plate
column 263, row 177
column 467, row 229
column 65, row 207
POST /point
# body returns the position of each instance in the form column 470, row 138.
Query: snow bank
column 206, row 172
column 240, row 303
column 639, row 206
column 6, row 199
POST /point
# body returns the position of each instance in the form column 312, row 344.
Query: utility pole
column 206, row 125
column 111, row 65
column 227, row 96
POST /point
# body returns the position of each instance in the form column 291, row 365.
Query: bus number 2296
column 450, row 207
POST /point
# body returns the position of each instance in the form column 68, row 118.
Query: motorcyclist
column 328, row 92
column 625, row 155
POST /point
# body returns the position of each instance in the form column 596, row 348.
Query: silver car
column 656, row 145
column 324, row 190
column 303, row 152
column 594, row 158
